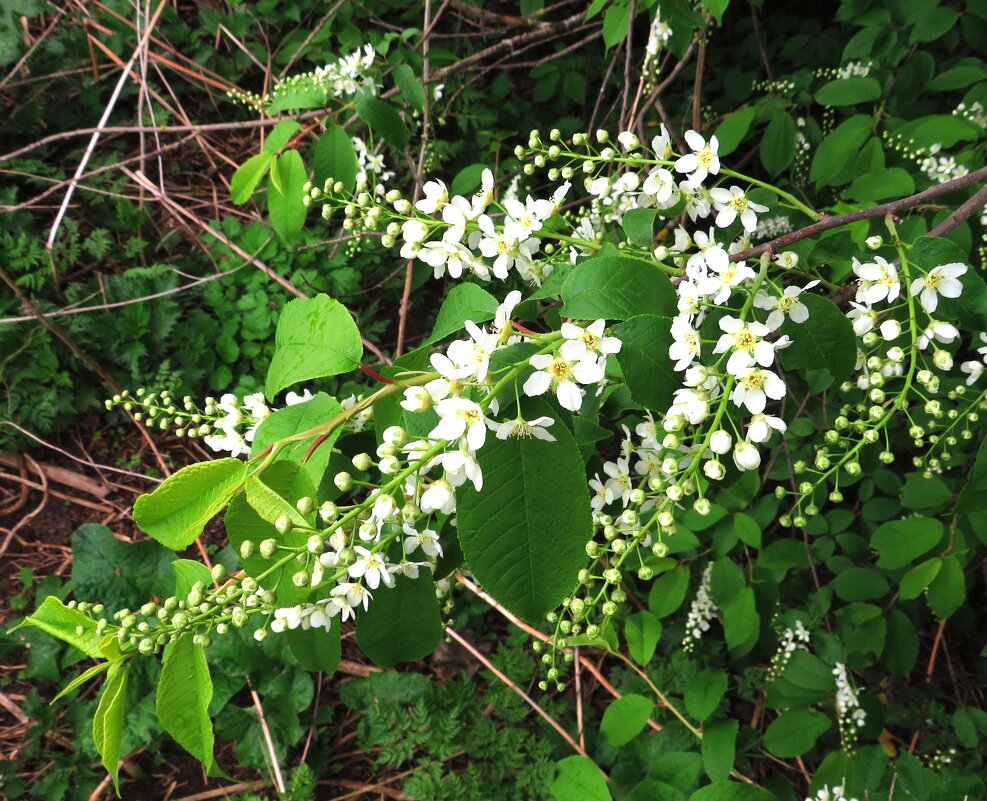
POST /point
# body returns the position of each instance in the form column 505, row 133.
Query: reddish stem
column 374, row 374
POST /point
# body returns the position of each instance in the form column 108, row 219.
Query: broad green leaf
column 243, row 523
column 795, row 732
column 642, row 632
column 934, row 22
column 182, row 698
column 467, row 179
column 957, row 78
column 848, row 91
column 284, row 195
column 704, row 691
column 741, row 623
column 109, row 718
column 732, row 791
column 248, row 175
column 179, row 508
column 333, row 157
column 298, row 97
column 55, row 618
column 280, row 135
column 778, row 143
column 579, row 779
column 464, row 302
column 269, row 505
column 860, row 584
column 826, row 339
column 616, row 288
column 410, row 86
column 731, row 132
column 651, row 790
column 836, row 153
column 383, row 119
column 616, row 21
column 527, row 517
column 882, row 184
column 315, row 648
column 747, row 529
column 973, row 497
column 668, row 591
column 82, row 678
column 187, row 573
column 639, row 225
column 914, row 582
column 626, row 718
column 648, row 371
column 901, row 541
column 947, row 592
column 901, row 646
column 719, row 748
column 716, row 7
column 403, row 623
column 293, row 420
column 316, row 337
column 920, row 492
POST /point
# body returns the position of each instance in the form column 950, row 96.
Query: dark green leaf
column 848, row 91
column 333, row 157
column 616, row 288
column 315, row 648
column 410, row 86
column 795, row 732
column 826, row 339
column 464, row 302
column 778, row 144
column 704, row 691
column 383, row 119
column 648, row 371
column 731, row 132
column 947, row 592
column 900, row 541
column 403, row 623
column 626, row 718
column 719, row 748
column 579, row 779
column 642, row 632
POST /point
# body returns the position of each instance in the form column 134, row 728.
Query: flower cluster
column 851, row 715
column 793, row 639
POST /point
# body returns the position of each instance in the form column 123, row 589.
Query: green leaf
column 315, row 648
column 973, row 497
column 248, row 175
column 836, row 153
column 525, row 518
column 55, row 618
column 826, row 339
column 284, row 195
column 719, row 748
column 747, row 529
column 183, row 696
column 616, row 22
column 109, row 718
column 860, row 584
column 403, row 623
column 914, row 582
column 179, row 508
column 795, row 732
column 293, row 420
column 464, row 302
column 642, row 631
column 668, row 591
column 467, row 180
column 716, row 7
column 933, row 23
column 957, row 78
column 639, row 226
column 280, row 135
column 411, row 88
column 778, row 144
column 648, row 371
column 732, row 791
column 885, row 184
column 947, row 592
column 383, row 119
column 848, row 91
column 626, row 718
column 82, row 678
column 920, row 492
column 741, row 623
column 900, row 541
column 334, row 157
column 731, row 132
column 295, row 97
column 579, row 779
column 316, row 337
column 269, row 505
column 616, row 288
column 704, row 691
column 187, row 573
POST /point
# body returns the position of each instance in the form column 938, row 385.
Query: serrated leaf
column 280, row 135
column 616, row 288
column 109, row 719
column 578, row 778
column 719, row 748
column 182, row 698
column 315, row 337
column 914, row 582
column 464, row 302
column 316, row 649
column 732, row 791
column 187, row 573
column 826, row 339
column 848, row 91
column 731, row 132
column 285, row 193
column 648, row 371
column 411, row 88
column 403, row 623
column 947, row 592
column 525, row 518
column 55, row 618
column 293, row 420
column 639, row 226
column 334, row 157
column 177, row 511
column 626, row 718
column 248, row 175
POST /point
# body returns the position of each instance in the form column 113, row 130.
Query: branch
column 882, row 210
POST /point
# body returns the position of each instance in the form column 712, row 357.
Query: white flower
column 474, row 352
column 692, row 405
column 942, row 280
column 354, row 593
column 483, row 196
column 414, row 233
column 456, row 214
column 601, row 494
column 563, row 375
column 863, row 318
column 702, row 161
column 461, row 466
column 746, row 341
column 714, row 470
column 753, row 388
column 459, row 417
column 937, row 331
column 619, row 484
column 294, row 398
column 973, row 370
column 662, row 144
column 731, row 203
column 426, row 539
column 438, row 497
column 442, row 255
column 746, row 456
column 878, row 281
column 659, row 186
column 502, row 317
column 523, row 219
column 720, row 442
column 504, row 250
column 761, row 426
column 710, row 253
column 726, row 277
column 589, row 340
column 371, row 568
column 519, row 427
column 787, row 303
column 436, row 196
column 628, row 140
column 789, row 260
column 890, row 330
